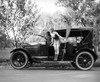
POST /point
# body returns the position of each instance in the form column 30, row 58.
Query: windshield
column 36, row 40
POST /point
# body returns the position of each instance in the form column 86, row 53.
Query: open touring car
column 79, row 50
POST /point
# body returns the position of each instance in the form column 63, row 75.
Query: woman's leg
column 56, row 47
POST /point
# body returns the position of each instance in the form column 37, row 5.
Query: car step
column 52, row 63
column 55, row 62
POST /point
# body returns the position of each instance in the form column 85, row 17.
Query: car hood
column 33, row 44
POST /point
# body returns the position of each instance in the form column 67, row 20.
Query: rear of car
column 80, row 49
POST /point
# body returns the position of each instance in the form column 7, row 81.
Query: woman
column 56, row 40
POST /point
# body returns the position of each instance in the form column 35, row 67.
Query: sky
column 97, row 1
column 48, row 6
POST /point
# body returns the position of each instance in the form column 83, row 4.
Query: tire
column 19, row 60
column 84, row 60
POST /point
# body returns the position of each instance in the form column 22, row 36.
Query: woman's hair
column 51, row 29
column 48, row 34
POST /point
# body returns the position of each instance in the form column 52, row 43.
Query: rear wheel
column 19, row 60
column 84, row 60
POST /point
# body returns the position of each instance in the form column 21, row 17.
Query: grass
column 5, row 53
column 5, row 56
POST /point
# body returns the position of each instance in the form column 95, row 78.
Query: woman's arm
column 63, row 40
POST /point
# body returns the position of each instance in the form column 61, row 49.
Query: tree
column 80, row 8
column 18, row 18
column 96, row 14
column 57, row 21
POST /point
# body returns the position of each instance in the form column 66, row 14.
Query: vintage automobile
column 79, row 50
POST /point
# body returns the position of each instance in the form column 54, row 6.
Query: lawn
column 5, row 53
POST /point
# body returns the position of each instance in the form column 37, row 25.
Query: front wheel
column 19, row 60
column 84, row 60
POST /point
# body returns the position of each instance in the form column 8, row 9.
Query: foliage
column 80, row 8
column 18, row 17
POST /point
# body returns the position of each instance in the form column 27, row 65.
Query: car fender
column 22, row 49
column 89, row 50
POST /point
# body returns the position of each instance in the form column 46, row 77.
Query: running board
column 52, row 63
column 61, row 62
